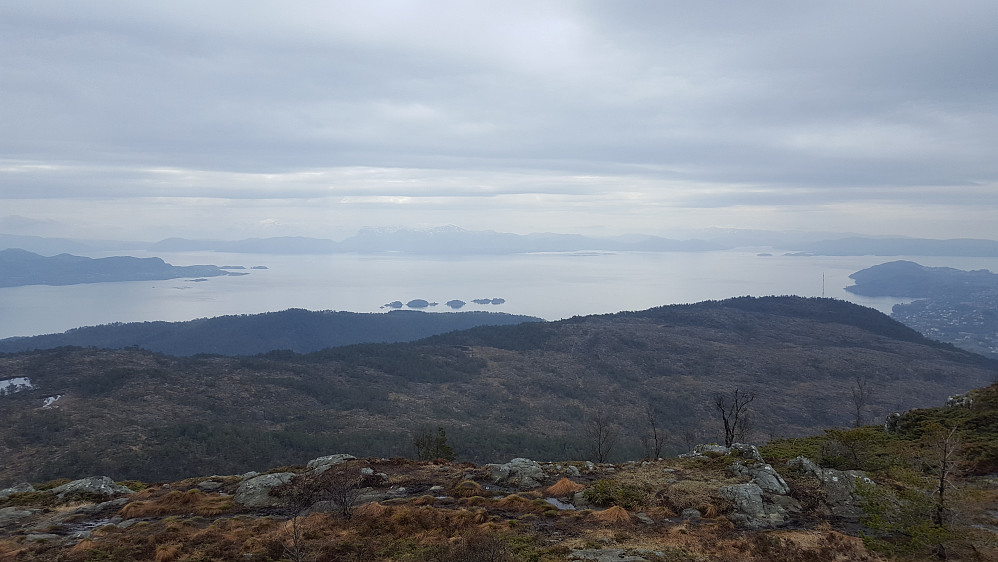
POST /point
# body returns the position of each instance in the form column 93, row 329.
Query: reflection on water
column 551, row 286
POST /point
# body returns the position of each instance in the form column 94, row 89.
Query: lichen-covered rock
column 690, row 513
column 255, row 492
column 710, row 449
column 519, row 472
column 805, row 466
column 764, row 475
column 892, row 424
column 93, row 485
column 751, row 510
column 839, row 487
column 745, row 451
column 322, row 464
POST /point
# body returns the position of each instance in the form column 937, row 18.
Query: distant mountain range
column 445, row 240
column 860, row 246
column 21, row 267
column 451, row 240
column 296, row 330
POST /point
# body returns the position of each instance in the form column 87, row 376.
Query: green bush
column 606, row 493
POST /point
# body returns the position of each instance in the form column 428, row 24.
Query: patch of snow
column 17, row 384
column 51, row 400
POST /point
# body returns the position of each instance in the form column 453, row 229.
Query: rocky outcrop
column 838, row 486
column 764, row 501
column 892, row 424
column 255, row 492
column 519, row 473
column 322, row 464
column 745, row 451
column 740, row 450
column 93, row 485
column 752, row 511
column 764, row 475
column 17, row 489
column 960, row 401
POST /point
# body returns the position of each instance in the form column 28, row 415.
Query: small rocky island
column 454, row 303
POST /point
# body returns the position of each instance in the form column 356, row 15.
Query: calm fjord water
column 551, row 286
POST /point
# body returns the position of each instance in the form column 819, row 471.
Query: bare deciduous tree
column 733, row 412
column 342, row 488
column 861, row 394
column 601, row 435
column 654, row 440
column 944, row 444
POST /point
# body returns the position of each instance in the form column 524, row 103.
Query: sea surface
column 548, row 285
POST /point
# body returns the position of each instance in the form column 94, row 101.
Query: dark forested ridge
column 297, row 330
column 500, row 392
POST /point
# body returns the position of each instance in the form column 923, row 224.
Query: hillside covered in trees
column 296, row 330
column 524, row 390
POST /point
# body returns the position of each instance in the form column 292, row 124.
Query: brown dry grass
column 370, row 509
column 613, row 515
column 10, row 551
column 167, row 552
column 564, row 488
column 467, row 489
column 192, row 502
column 519, row 504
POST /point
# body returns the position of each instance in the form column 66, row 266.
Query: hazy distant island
column 954, row 306
column 895, row 246
column 21, row 267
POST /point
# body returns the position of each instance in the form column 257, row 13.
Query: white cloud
column 593, row 114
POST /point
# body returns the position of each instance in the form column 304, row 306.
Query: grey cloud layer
column 791, row 101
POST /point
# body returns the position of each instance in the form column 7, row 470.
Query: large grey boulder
column 519, row 472
column 764, row 475
column 839, row 487
column 751, row 510
column 13, row 514
column 745, row 451
column 93, row 485
column 705, row 449
column 255, row 492
column 322, row 464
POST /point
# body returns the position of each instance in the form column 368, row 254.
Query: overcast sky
column 142, row 120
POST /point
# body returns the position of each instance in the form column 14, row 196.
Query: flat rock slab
column 97, row 485
column 255, row 492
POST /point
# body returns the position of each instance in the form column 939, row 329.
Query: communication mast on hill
column 822, row 284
